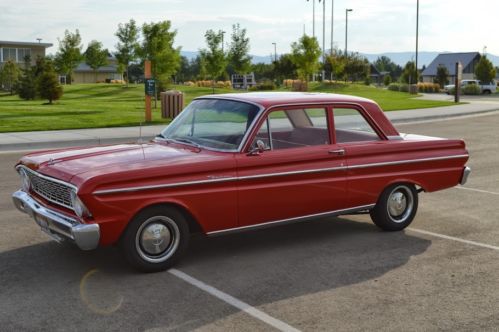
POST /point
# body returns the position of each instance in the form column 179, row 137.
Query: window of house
column 22, row 53
column 351, row 126
column 9, row 54
column 295, row 128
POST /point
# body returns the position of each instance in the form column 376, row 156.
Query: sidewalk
column 85, row 137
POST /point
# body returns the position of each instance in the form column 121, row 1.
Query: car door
column 300, row 172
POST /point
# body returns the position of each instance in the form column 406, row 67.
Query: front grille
column 52, row 190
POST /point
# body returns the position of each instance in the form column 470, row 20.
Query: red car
column 237, row 162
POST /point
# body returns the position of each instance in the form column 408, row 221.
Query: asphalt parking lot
column 339, row 274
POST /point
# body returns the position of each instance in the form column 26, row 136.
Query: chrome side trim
column 466, row 173
column 412, row 161
column 241, row 178
column 292, row 220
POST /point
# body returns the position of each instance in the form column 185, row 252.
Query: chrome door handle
column 339, row 152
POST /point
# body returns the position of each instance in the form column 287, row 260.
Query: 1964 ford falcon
column 237, row 162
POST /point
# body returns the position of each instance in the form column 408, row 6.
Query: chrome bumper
column 58, row 226
column 464, row 177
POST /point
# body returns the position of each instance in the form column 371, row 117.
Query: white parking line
column 452, row 238
column 280, row 325
column 478, row 190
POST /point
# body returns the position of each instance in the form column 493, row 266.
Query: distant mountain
column 400, row 58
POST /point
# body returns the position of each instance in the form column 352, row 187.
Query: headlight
column 25, row 181
column 80, row 208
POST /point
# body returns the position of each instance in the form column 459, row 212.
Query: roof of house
column 109, row 68
column 449, row 60
column 18, row 43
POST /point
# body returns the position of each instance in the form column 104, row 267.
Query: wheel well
column 193, row 224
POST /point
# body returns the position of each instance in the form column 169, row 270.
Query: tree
column 357, row 67
column 69, row 55
column 238, row 54
column 410, row 75
column 214, row 56
column 384, row 63
column 336, row 63
column 442, row 77
column 27, row 84
column 484, row 70
column 128, row 36
column 9, row 76
column 157, row 46
column 96, row 56
column 387, row 80
column 305, row 55
column 48, row 83
column 285, row 68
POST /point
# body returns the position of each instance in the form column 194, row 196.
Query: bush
column 49, row 87
column 387, row 80
column 394, row 87
column 265, row 86
column 404, row 87
column 471, row 89
column 428, row 87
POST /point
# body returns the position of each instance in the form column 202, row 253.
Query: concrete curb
column 441, row 116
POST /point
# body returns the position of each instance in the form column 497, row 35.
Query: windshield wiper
column 160, row 135
column 186, row 140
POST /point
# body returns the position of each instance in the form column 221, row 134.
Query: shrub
column 394, row 87
column 49, row 87
column 428, row 87
column 471, row 89
column 404, row 87
column 265, row 86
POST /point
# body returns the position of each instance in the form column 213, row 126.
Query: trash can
column 172, row 103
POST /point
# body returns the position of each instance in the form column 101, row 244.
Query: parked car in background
column 482, row 88
column 236, row 162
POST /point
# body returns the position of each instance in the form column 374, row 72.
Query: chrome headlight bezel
column 25, row 180
column 79, row 208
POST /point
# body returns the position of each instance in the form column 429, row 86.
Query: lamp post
column 275, row 51
column 346, row 29
column 313, row 17
column 417, row 38
column 332, row 25
column 223, row 34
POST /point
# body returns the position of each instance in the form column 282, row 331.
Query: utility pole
column 275, row 51
column 223, row 33
column 323, row 37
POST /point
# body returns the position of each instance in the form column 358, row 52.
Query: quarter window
column 295, row 128
column 351, row 126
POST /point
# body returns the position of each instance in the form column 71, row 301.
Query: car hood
column 68, row 163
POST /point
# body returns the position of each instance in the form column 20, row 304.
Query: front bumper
column 464, row 177
column 57, row 225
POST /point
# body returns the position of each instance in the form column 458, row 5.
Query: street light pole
column 417, row 38
column 313, row 17
column 346, row 30
column 332, row 25
column 275, row 51
column 223, row 33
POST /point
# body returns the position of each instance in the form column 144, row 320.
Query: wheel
column 155, row 239
column 396, row 207
column 487, row 92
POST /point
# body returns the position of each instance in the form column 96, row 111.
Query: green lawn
column 387, row 100
column 110, row 105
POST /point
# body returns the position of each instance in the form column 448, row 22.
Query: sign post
column 149, row 82
column 457, row 83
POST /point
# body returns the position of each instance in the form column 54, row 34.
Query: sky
column 374, row 26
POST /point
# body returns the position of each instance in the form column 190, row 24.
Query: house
column 468, row 61
column 17, row 51
column 84, row 74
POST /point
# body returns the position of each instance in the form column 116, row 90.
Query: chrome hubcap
column 397, row 204
column 400, row 204
column 157, row 239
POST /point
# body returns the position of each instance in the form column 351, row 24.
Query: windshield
column 212, row 123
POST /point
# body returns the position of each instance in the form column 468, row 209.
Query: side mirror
column 259, row 148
